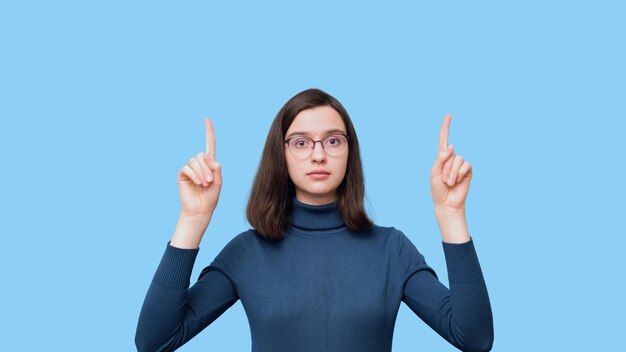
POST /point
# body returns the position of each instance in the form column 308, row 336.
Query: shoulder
column 238, row 242
column 389, row 232
column 378, row 230
column 245, row 238
column 401, row 242
column 232, row 258
column 386, row 237
column 409, row 258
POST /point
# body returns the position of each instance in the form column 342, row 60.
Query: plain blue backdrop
column 102, row 103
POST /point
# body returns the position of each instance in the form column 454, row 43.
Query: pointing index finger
column 210, row 138
column 443, row 134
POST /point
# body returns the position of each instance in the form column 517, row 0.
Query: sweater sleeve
column 461, row 314
column 172, row 313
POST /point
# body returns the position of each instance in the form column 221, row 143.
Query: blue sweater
column 321, row 288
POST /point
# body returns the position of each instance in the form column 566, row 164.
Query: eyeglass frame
column 286, row 141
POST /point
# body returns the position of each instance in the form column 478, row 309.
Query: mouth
column 318, row 173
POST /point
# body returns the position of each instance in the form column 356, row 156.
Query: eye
column 334, row 141
column 300, row 142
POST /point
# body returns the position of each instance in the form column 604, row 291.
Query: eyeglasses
column 302, row 146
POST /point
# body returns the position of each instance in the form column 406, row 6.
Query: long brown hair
column 269, row 204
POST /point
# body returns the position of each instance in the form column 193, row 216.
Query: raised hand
column 450, row 175
column 200, row 181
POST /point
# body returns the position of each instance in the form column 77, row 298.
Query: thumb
column 216, row 169
column 442, row 157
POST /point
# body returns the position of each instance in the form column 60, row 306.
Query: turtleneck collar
column 315, row 217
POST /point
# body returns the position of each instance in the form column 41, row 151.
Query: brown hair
column 269, row 204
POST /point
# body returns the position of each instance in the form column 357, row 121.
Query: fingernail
column 445, row 178
column 450, row 147
column 209, row 178
column 451, row 181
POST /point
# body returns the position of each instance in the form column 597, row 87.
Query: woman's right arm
column 173, row 313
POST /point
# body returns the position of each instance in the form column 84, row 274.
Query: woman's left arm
column 452, row 226
column 462, row 314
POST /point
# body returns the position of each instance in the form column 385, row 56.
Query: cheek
column 292, row 167
column 344, row 165
column 342, row 169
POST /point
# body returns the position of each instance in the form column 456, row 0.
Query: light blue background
column 102, row 104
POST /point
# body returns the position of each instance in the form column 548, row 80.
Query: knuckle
column 202, row 164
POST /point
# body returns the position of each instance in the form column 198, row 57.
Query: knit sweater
column 321, row 288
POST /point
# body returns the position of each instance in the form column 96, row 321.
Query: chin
column 324, row 190
column 319, row 192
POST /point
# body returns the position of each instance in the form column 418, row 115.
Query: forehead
column 316, row 122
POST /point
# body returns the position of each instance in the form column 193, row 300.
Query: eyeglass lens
column 302, row 147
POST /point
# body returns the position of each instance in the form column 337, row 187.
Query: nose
column 318, row 154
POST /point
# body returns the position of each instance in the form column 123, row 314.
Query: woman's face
column 316, row 123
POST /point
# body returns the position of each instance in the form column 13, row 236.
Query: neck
column 316, row 200
column 315, row 217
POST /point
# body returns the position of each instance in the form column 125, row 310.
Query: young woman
column 315, row 273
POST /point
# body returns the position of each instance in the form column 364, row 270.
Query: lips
column 319, row 172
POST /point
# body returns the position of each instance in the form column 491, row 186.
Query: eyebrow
column 306, row 133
